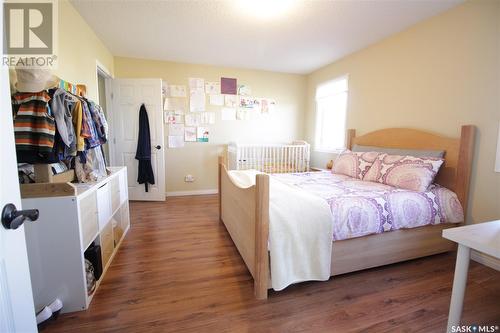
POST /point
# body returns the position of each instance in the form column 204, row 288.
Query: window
column 331, row 108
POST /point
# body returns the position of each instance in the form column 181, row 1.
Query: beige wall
column 79, row 48
column 438, row 75
column 200, row 159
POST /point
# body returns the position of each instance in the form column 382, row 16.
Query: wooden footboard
column 245, row 213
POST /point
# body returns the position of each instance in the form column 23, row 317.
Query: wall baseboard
column 485, row 260
column 194, row 192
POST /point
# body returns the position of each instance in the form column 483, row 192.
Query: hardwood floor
column 178, row 271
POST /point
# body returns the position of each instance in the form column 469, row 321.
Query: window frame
column 318, row 148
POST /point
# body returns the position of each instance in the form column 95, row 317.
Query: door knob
column 158, row 147
column 13, row 218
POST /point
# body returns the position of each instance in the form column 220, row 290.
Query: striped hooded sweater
column 34, row 127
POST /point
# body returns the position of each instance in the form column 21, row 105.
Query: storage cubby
column 57, row 242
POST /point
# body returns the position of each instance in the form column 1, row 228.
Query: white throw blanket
column 300, row 232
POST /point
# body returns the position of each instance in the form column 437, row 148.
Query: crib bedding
column 361, row 208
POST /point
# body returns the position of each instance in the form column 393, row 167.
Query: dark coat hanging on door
column 143, row 153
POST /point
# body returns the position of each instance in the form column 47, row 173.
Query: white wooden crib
column 269, row 158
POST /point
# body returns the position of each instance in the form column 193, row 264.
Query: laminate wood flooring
column 178, row 271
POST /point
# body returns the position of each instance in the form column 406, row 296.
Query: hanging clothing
column 89, row 131
column 77, row 123
column 34, row 128
column 57, row 125
column 90, row 166
column 100, row 123
column 62, row 104
column 143, row 154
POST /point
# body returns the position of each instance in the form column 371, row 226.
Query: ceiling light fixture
column 265, row 9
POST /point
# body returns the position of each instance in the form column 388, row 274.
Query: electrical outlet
column 189, row 178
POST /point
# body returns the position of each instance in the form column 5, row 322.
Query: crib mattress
column 361, row 208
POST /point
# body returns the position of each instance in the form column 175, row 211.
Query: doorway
column 103, row 77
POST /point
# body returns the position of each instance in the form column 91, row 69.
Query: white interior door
column 17, row 312
column 127, row 96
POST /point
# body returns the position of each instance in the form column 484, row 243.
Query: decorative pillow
column 397, row 151
column 407, row 172
column 352, row 164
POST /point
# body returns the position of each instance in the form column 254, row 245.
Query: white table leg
column 459, row 283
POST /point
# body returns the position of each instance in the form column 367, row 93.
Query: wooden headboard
column 456, row 170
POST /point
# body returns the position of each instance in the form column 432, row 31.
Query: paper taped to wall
column 267, row 105
column 197, row 101
column 192, row 120
column 242, row 114
column 197, row 84
column 172, row 118
column 176, row 91
column 244, row 90
column 176, row 129
column 249, row 102
column 212, row 88
column 202, row 134
column 207, row 118
column 175, row 104
column 190, row 134
column 217, row 100
column 175, row 141
column 231, row 101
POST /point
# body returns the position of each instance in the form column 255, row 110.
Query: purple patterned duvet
column 360, row 208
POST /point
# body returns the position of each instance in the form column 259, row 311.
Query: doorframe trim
column 102, row 70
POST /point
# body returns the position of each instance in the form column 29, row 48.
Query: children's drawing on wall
column 175, row 104
column 267, row 105
column 212, row 88
column 244, row 90
column 172, row 118
column 228, row 86
column 242, row 114
column 207, row 118
column 196, row 84
column 216, row 100
column 202, row 134
column 176, row 129
column 190, row 134
column 250, row 103
column 164, row 88
column 192, row 120
column 175, row 141
column 196, row 101
column 176, row 91
column 231, row 101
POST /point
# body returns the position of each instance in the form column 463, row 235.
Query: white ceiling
column 310, row 35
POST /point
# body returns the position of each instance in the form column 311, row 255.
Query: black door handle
column 158, row 147
column 13, row 218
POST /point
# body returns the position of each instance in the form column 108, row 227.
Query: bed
column 245, row 211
